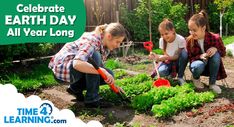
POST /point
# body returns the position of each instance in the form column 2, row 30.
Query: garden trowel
column 113, row 87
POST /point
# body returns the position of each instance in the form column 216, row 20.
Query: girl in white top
column 174, row 58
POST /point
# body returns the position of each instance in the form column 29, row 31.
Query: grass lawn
column 30, row 78
column 228, row 40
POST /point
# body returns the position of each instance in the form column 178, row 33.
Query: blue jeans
column 90, row 82
column 165, row 69
column 209, row 68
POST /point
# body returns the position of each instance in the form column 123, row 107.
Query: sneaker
column 98, row 104
column 197, row 83
column 169, row 77
column 181, row 81
column 216, row 89
column 79, row 96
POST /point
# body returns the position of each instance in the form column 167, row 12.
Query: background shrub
column 137, row 21
column 228, row 18
column 8, row 53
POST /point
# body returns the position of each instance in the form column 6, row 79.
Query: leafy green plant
column 119, row 74
column 132, row 86
column 158, row 51
column 112, row 64
column 140, row 78
column 163, row 101
column 181, row 101
column 119, row 124
column 131, row 91
column 157, row 95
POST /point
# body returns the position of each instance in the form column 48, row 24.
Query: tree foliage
column 223, row 4
column 137, row 21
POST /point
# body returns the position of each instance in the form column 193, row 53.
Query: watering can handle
column 148, row 46
column 156, row 68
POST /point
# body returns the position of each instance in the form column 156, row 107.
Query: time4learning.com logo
column 41, row 115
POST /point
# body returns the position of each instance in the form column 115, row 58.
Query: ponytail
column 201, row 20
column 115, row 29
column 204, row 14
column 100, row 29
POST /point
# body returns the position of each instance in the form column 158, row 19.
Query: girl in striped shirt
column 70, row 63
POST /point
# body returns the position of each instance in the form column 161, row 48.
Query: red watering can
column 160, row 81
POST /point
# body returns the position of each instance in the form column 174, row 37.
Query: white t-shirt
column 171, row 48
column 201, row 43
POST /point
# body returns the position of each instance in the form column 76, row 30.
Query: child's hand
column 153, row 56
column 121, row 90
column 163, row 57
column 204, row 56
column 211, row 51
column 110, row 79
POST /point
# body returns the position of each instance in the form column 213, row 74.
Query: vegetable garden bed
column 149, row 105
column 161, row 101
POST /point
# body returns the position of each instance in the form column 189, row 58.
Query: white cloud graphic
column 18, row 111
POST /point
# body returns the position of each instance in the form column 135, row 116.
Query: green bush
column 228, row 17
column 8, row 53
column 137, row 21
column 213, row 15
column 229, row 53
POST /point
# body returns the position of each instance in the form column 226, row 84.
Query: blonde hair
column 166, row 24
column 115, row 29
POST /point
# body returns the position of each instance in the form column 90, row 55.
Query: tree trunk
column 220, row 25
column 150, row 20
column 226, row 32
